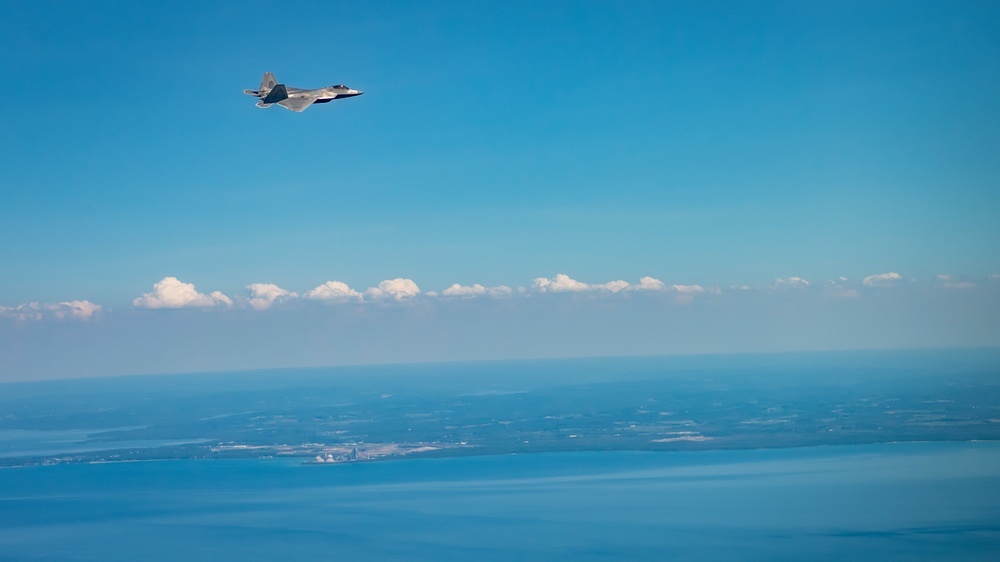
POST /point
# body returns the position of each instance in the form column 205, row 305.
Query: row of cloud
column 172, row 293
column 81, row 310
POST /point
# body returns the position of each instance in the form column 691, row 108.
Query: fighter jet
column 296, row 99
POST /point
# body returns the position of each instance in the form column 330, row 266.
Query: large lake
column 930, row 501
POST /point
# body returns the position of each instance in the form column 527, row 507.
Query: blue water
column 919, row 501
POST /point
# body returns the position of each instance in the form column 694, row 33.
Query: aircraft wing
column 298, row 103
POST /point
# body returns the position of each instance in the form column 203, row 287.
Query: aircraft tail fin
column 267, row 82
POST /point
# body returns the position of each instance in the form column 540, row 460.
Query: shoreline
column 468, row 452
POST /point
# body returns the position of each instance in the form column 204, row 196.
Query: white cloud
column 263, row 295
column 80, row 310
column 398, row 289
column 791, row 282
column 333, row 291
column 561, row 283
column 170, row 292
column 475, row 290
column 614, row 286
column 649, row 284
column 219, row 298
column 686, row 293
column 882, row 279
column 26, row 311
column 688, row 289
column 499, row 291
column 456, row 290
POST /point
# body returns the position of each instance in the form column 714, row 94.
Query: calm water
column 930, row 501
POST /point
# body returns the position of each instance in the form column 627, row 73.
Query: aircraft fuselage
column 296, row 99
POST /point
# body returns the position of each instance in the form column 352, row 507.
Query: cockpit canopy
column 341, row 87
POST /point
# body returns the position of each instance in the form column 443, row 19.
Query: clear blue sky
column 716, row 144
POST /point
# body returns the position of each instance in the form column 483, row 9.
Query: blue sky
column 716, row 145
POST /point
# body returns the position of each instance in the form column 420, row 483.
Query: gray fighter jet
column 296, row 99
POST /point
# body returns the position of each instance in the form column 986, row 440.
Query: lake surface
column 920, row 501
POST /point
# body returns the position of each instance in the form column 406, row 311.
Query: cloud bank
column 334, row 324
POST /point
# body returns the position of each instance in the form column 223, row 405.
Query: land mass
column 368, row 413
